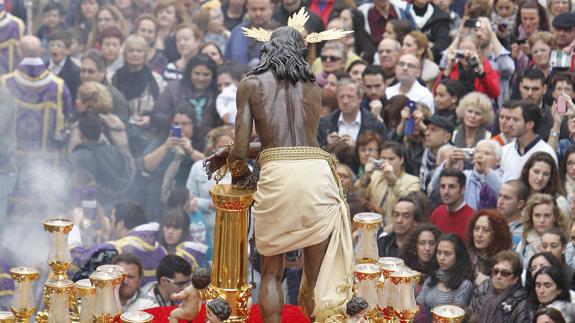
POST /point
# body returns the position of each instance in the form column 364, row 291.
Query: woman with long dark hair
column 198, row 89
column 550, row 290
column 541, row 174
column 419, row 252
column 567, row 173
column 548, row 315
column 363, row 45
column 451, row 280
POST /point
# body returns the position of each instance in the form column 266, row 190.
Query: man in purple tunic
column 42, row 104
column 12, row 30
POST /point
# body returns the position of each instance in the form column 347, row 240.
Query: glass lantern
column 7, row 317
column 59, row 257
column 367, row 224
column 366, row 276
column 136, row 317
column 385, row 288
column 403, row 300
column 107, row 284
column 447, row 314
column 87, row 295
column 59, row 293
column 23, row 303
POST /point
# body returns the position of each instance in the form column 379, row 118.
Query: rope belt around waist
column 294, row 153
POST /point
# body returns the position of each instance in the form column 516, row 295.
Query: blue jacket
column 241, row 49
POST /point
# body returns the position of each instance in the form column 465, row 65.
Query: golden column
column 230, row 267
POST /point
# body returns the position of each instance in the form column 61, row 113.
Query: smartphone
column 410, row 122
column 177, row 131
column 521, row 41
column 561, row 104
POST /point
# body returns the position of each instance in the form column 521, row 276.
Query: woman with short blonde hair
column 475, row 113
column 95, row 97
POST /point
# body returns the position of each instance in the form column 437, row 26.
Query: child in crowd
column 52, row 19
column 503, row 18
column 59, row 43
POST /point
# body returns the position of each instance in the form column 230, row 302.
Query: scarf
column 133, row 84
column 427, row 168
column 441, row 276
column 420, row 21
column 459, row 140
column 495, row 308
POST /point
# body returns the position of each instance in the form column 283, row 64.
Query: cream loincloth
column 298, row 204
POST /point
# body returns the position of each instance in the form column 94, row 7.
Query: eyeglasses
column 504, row 273
column 179, row 284
column 328, row 58
column 408, row 65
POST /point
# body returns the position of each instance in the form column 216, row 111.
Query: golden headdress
column 297, row 21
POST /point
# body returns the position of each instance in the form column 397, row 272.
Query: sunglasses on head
column 327, row 58
column 504, row 273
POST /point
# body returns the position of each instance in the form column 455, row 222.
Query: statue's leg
column 313, row 257
column 271, row 297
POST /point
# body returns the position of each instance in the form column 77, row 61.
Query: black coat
column 328, row 124
column 437, row 30
column 70, row 73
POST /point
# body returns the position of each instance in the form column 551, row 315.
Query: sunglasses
column 504, row 273
column 326, row 58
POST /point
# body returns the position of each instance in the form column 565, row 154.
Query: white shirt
column 417, row 93
column 512, row 162
column 352, row 128
column 57, row 68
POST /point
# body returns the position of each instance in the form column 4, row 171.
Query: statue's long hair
column 285, row 54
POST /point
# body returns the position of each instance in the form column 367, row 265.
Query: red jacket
column 488, row 84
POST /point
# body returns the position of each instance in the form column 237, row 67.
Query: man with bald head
column 388, row 53
column 42, row 104
column 11, row 30
column 407, row 70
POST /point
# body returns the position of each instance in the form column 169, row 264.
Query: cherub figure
column 217, row 311
column 356, row 310
column 192, row 300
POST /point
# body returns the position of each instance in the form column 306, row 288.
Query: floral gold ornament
column 107, row 285
column 297, row 21
column 23, row 304
column 403, row 299
column 59, row 257
column 60, row 295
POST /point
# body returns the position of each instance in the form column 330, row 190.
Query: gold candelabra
column 86, row 298
column 230, row 266
column 7, row 317
column 59, row 257
column 107, row 284
column 59, row 295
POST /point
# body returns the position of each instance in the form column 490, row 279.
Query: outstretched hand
column 216, row 161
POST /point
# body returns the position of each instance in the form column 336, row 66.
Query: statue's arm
column 244, row 120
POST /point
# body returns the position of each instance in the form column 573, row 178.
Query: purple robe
column 143, row 243
column 12, row 29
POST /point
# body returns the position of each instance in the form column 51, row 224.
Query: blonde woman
column 416, row 43
column 474, row 113
column 94, row 97
column 540, row 214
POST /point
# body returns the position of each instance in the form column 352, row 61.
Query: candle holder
column 87, row 295
column 106, row 283
column 59, row 257
column 59, row 294
column 117, row 268
column 403, row 299
column 367, row 223
column 136, row 317
column 385, row 288
column 366, row 276
column 7, row 317
column 447, row 314
column 23, row 305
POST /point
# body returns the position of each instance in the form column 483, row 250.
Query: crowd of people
column 452, row 119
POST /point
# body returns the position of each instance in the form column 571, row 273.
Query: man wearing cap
column 564, row 31
column 407, row 70
column 437, row 134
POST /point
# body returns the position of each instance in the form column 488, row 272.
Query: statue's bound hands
column 216, row 160
column 250, row 182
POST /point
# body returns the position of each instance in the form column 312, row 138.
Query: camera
column 473, row 62
column 469, row 152
column 459, row 54
column 472, row 23
column 377, row 163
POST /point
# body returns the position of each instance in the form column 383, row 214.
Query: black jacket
column 387, row 246
column 70, row 73
column 437, row 30
column 328, row 124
